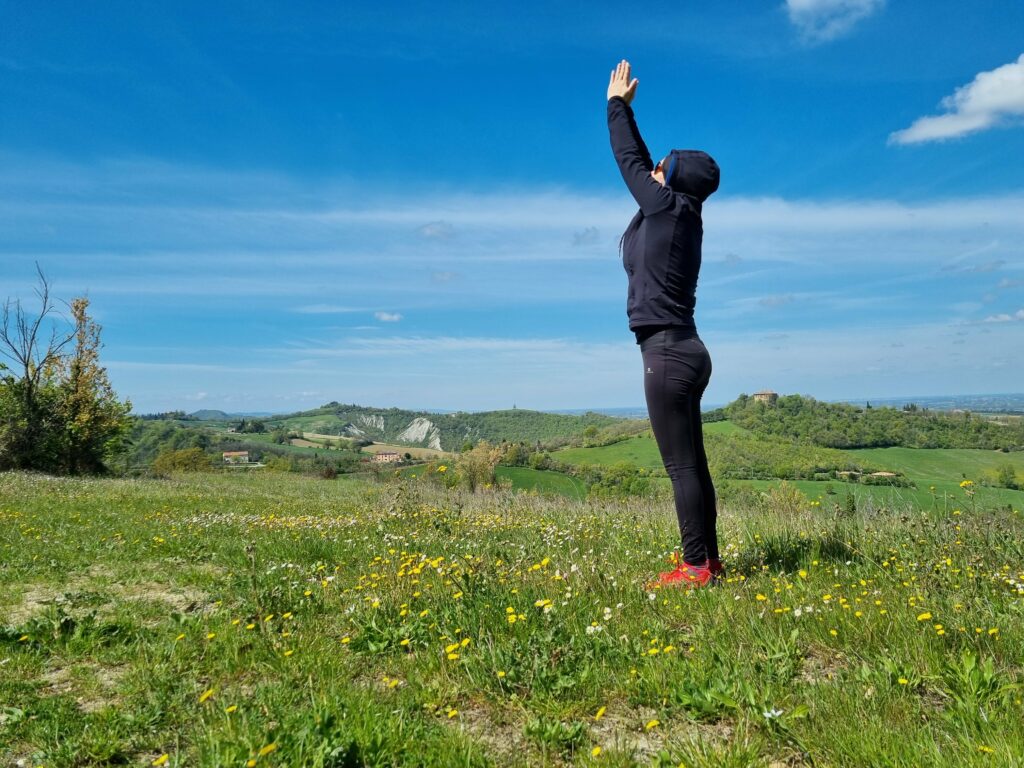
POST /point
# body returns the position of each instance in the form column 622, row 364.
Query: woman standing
column 661, row 250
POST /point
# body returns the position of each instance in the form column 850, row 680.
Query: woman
column 661, row 250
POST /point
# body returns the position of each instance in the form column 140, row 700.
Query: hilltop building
column 766, row 396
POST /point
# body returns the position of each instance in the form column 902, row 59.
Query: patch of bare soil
column 821, row 665
column 626, row 731
column 92, row 685
column 498, row 732
column 99, row 584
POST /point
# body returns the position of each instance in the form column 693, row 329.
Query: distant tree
column 184, row 460
column 1006, row 476
column 475, row 467
column 94, row 420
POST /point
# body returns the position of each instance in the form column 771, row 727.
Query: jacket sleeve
column 634, row 160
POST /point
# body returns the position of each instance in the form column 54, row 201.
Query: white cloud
column 437, row 230
column 823, row 20
column 991, row 99
column 1005, row 317
column 325, row 309
column 387, row 317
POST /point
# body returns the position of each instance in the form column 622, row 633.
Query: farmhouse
column 235, row 457
column 387, row 457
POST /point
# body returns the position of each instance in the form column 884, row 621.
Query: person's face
column 658, row 174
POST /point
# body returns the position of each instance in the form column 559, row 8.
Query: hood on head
column 692, row 172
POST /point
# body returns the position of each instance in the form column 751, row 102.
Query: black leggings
column 677, row 368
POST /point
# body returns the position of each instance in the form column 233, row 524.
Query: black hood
column 693, row 173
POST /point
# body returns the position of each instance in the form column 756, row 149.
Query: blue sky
column 274, row 205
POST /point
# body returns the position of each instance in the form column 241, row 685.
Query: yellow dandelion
column 652, row 724
column 346, row 640
column 210, row 635
column 452, row 713
column 924, row 616
column 264, row 751
column 162, row 759
column 595, row 752
column 179, row 637
column 205, row 695
column 903, row 681
column 501, row 673
column 600, row 713
column 232, row 708
column 289, row 652
column 761, row 597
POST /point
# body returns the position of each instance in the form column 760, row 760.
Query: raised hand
column 620, row 85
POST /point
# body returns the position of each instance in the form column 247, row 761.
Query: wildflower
column 264, row 751
column 161, row 760
column 346, row 640
column 761, row 597
column 903, row 681
column 771, row 714
column 205, row 695
column 924, row 616
column 595, row 752
column 211, row 635
column 288, row 653
column 600, row 713
column 179, row 637
column 232, row 708
column 452, row 713
column 652, row 724
column 501, row 673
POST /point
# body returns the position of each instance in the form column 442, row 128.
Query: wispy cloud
column 388, row 317
column 1005, row 317
column 993, row 98
column 437, row 230
column 326, row 309
column 823, row 20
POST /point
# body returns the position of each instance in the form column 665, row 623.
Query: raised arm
column 631, row 153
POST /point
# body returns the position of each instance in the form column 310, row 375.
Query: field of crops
column 276, row 619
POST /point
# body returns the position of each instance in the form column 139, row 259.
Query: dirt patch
column 34, row 601
column 96, row 589
column 501, row 736
column 92, row 685
column 821, row 665
column 626, row 731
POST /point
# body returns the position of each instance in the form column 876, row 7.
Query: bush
column 184, row 460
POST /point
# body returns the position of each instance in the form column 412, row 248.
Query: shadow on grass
column 787, row 552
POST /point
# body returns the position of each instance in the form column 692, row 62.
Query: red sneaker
column 685, row 575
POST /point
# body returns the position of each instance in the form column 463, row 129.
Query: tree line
column 840, row 425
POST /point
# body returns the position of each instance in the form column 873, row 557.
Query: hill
column 440, row 431
column 839, row 425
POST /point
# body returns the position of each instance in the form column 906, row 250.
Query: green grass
column 524, row 478
column 349, row 623
column 641, row 451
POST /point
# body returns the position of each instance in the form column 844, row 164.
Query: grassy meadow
column 280, row 620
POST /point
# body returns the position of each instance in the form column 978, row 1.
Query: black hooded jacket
column 661, row 248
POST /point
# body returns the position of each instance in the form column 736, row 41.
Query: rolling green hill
column 441, row 431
